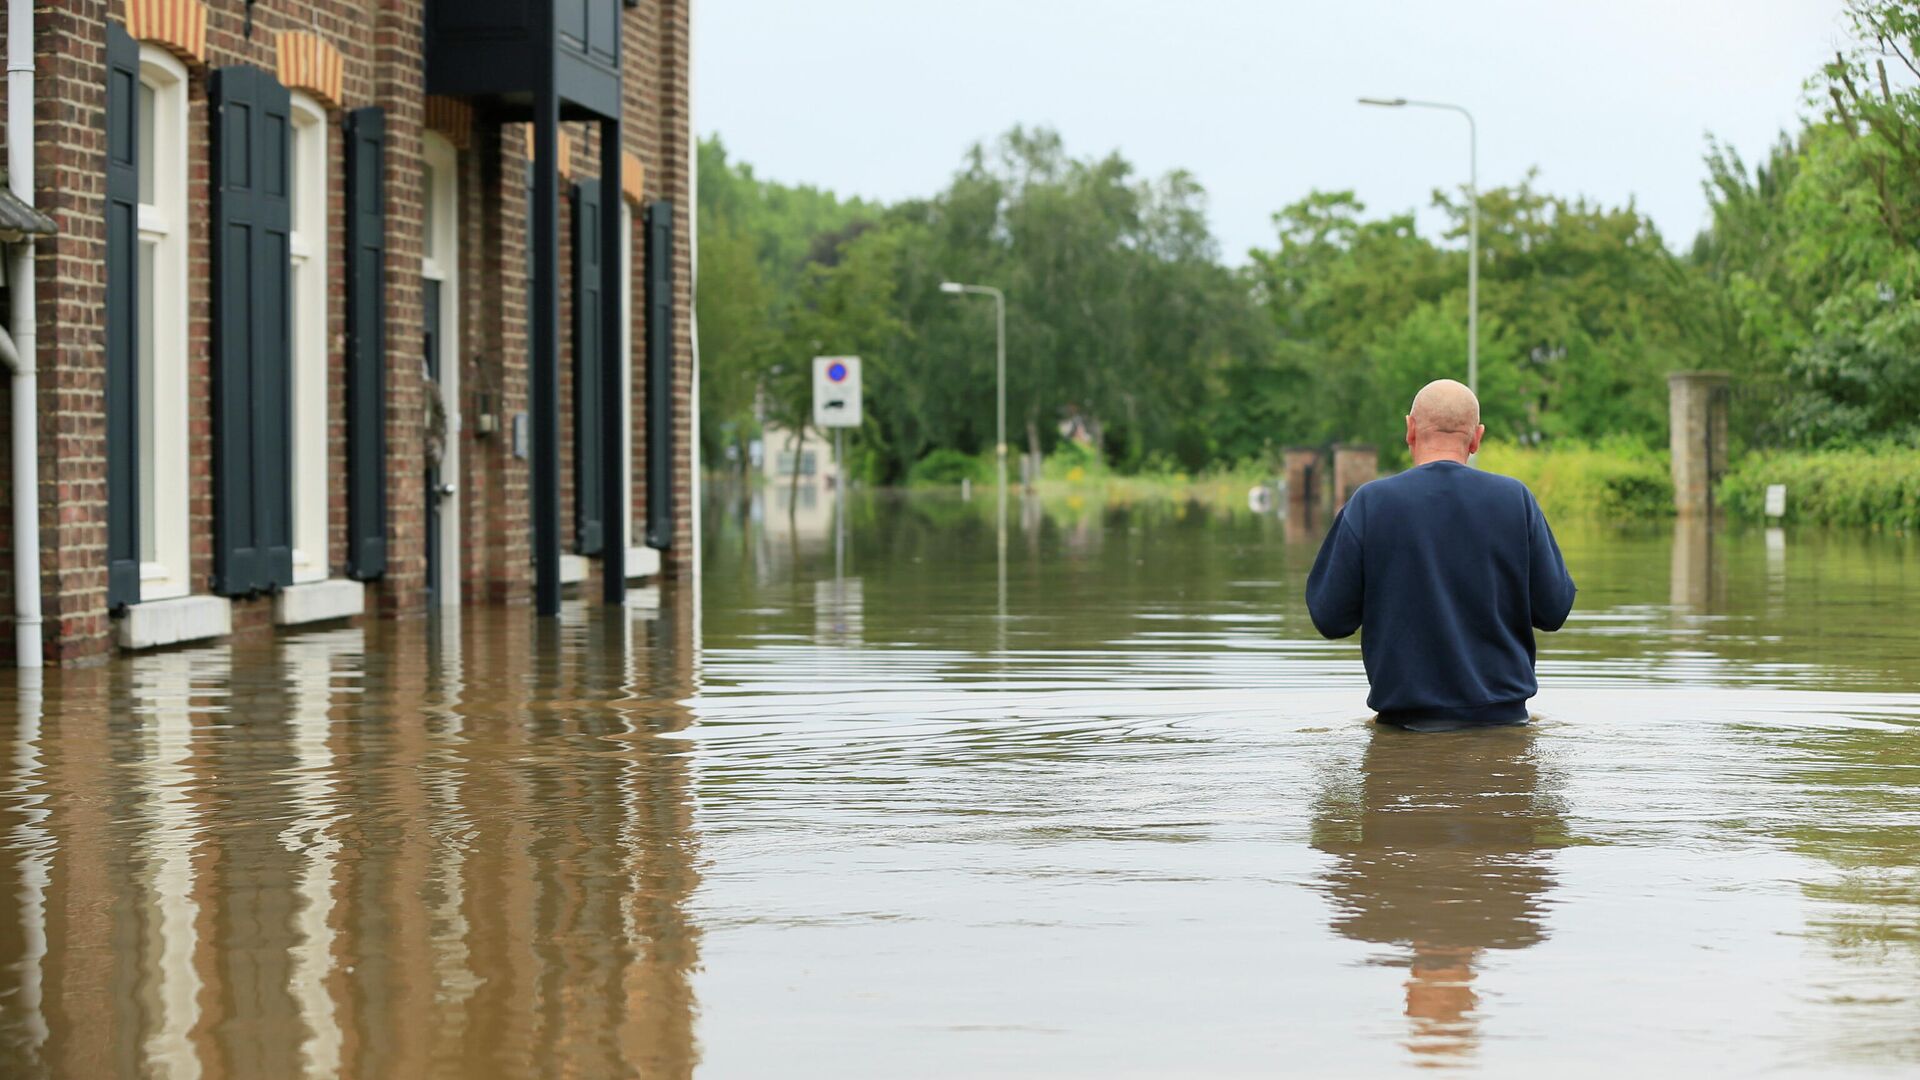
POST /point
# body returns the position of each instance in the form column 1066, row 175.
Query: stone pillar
column 1352, row 466
column 1697, row 408
column 1302, row 469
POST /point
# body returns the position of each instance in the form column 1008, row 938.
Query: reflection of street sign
column 836, row 391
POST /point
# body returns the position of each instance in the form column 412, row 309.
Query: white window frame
column 163, row 224
column 307, row 251
column 440, row 261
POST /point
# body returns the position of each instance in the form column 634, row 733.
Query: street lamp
column 1000, row 309
column 1000, row 437
column 1473, row 225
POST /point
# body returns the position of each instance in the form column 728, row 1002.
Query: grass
column 1608, row 481
column 1871, row 486
column 1614, row 480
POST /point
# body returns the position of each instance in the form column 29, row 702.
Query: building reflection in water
column 422, row 849
column 1303, row 523
column 1443, row 854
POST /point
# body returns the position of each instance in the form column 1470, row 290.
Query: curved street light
column 1000, row 311
column 1473, row 224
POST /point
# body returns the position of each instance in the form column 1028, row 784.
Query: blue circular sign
column 837, row 371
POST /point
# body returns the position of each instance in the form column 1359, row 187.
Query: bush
column 1073, row 462
column 947, row 468
column 1866, row 486
column 1612, row 480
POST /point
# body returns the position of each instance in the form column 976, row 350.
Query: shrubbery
column 947, row 468
column 1613, row 480
column 1868, row 486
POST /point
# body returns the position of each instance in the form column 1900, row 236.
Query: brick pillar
column 399, row 87
column 70, row 147
column 1697, row 410
column 1352, row 466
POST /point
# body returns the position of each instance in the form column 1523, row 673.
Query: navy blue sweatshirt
column 1450, row 570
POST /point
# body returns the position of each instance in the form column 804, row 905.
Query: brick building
column 320, row 325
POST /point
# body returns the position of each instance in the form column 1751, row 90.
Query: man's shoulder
column 1421, row 479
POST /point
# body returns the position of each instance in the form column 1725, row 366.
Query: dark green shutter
column 253, row 507
column 589, row 353
column 123, row 319
column 660, row 375
column 366, row 344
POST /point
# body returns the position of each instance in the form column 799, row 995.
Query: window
column 307, row 251
column 161, row 103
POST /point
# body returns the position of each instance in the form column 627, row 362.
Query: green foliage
column 1074, row 462
column 1869, row 485
column 1617, row 480
column 759, row 241
column 1582, row 312
column 1815, row 252
column 1124, row 328
column 947, row 467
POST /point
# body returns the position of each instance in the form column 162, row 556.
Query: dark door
column 123, row 320
column 436, row 435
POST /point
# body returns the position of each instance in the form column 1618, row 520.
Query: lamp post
column 1000, row 433
column 1473, row 225
column 1000, row 407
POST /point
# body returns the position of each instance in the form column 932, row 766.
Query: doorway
column 440, row 368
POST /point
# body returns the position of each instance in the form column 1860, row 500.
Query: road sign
column 836, row 391
column 1776, row 500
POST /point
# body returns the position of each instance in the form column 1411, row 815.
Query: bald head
column 1444, row 422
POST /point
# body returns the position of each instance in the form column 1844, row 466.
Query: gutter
column 20, row 344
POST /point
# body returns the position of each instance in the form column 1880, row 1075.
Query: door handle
column 446, row 490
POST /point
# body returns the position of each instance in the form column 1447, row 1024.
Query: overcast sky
column 1611, row 99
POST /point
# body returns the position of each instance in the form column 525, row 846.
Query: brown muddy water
column 1114, row 811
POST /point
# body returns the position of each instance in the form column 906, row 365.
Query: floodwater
column 1106, row 807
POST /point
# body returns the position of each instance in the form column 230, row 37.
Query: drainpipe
column 20, row 361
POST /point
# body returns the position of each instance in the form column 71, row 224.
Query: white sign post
column 836, row 391
column 836, row 405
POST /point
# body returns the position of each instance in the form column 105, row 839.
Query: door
column 435, row 495
column 440, row 301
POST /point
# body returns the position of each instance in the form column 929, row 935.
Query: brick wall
column 380, row 42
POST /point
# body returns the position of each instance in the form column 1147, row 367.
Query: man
column 1450, row 570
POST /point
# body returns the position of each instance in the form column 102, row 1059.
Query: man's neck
column 1428, row 457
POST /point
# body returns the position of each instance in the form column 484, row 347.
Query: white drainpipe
column 20, row 358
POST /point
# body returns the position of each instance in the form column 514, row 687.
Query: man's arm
column 1335, row 588
column 1550, row 585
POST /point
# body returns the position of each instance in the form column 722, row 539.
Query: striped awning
column 310, row 62
column 633, row 179
column 452, row 118
column 180, row 25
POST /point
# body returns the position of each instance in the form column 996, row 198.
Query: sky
column 1608, row 99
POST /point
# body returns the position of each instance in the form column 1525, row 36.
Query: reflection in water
column 1445, row 857
column 449, row 849
column 1071, row 804
column 1699, row 576
column 1303, row 522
